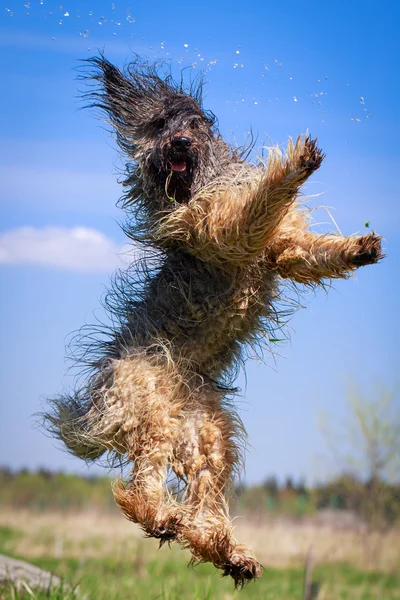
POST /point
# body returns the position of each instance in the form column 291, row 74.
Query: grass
column 170, row 579
column 108, row 560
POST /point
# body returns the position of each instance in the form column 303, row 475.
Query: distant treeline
column 44, row 490
column 376, row 502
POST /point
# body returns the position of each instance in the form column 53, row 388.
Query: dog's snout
column 181, row 142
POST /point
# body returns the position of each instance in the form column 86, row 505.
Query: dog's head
column 172, row 142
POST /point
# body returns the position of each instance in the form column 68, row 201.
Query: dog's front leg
column 234, row 220
column 311, row 258
column 264, row 210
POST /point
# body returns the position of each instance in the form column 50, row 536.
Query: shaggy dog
column 221, row 236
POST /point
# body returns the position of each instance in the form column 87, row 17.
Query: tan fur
column 162, row 420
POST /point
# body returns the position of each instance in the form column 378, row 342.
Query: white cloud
column 76, row 249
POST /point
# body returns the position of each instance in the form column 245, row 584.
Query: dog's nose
column 181, row 142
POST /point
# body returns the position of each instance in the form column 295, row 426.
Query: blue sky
column 277, row 68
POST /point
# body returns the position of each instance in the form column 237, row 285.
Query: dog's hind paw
column 242, row 569
column 165, row 531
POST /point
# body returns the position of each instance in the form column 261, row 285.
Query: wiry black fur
column 146, row 107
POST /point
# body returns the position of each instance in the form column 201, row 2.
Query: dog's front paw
column 304, row 157
column 311, row 157
column 368, row 250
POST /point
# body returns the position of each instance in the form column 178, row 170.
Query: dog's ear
column 115, row 95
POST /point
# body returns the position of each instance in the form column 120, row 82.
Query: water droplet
column 237, row 51
column 27, row 5
column 112, row 6
column 294, row 98
column 66, row 14
column 362, row 101
column 186, row 45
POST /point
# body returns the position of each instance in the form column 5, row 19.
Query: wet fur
column 221, row 236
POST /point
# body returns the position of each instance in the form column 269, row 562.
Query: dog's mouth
column 178, row 166
column 178, row 169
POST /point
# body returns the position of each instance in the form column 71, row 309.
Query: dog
column 220, row 237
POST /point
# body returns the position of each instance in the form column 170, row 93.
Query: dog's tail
column 73, row 419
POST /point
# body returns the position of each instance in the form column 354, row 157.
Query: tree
column 271, row 485
column 367, row 446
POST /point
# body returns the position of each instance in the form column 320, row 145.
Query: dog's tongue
column 178, row 166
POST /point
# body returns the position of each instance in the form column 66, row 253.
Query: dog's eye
column 159, row 124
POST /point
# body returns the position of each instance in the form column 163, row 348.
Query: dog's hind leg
column 207, row 456
column 131, row 409
column 145, row 499
column 150, row 436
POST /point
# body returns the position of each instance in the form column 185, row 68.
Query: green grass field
column 135, row 569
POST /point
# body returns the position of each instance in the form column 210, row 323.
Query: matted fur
column 221, row 236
